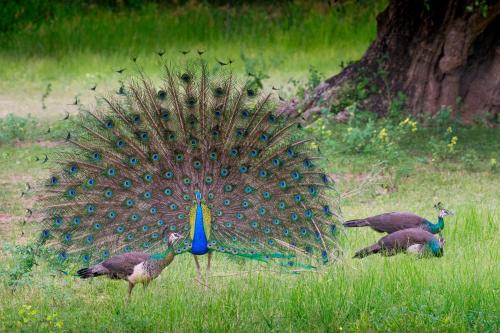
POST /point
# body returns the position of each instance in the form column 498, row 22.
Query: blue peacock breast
column 199, row 245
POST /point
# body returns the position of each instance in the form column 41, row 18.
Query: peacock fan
column 199, row 164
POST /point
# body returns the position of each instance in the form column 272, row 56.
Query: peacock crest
column 139, row 161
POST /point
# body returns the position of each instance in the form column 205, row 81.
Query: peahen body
column 413, row 240
column 392, row 222
column 134, row 267
column 201, row 156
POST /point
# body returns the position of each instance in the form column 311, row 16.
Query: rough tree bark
column 438, row 53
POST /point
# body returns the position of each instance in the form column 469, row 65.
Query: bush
column 13, row 127
column 470, row 160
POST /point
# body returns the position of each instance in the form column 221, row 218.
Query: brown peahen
column 392, row 222
column 413, row 240
column 134, row 267
column 201, row 155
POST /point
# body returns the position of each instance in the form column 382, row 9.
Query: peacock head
column 198, row 197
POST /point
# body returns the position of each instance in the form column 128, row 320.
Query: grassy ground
column 458, row 292
column 73, row 52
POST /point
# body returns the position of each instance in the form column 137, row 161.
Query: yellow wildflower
column 413, row 125
column 452, row 144
column 449, row 130
column 383, row 135
column 404, row 122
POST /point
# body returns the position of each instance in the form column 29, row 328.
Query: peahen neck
column 164, row 258
column 436, row 227
column 200, row 242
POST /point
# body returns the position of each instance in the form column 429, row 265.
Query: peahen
column 413, row 240
column 202, row 156
column 392, row 222
column 134, row 267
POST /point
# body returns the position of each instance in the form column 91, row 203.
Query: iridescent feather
column 137, row 162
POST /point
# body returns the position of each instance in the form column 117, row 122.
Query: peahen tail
column 90, row 272
column 375, row 248
column 355, row 223
column 136, row 163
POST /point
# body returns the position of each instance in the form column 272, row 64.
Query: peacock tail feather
column 137, row 160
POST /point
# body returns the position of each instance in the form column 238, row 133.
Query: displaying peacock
column 203, row 156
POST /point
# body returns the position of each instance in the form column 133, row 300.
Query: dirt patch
column 6, row 223
column 41, row 143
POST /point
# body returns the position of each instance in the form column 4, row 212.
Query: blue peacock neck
column 199, row 244
column 436, row 227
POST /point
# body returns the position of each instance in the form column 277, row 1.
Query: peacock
column 395, row 221
column 412, row 240
column 134, row 267
column 201, row 154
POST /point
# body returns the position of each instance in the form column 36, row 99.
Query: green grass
column 458, row 292
column 81, row 48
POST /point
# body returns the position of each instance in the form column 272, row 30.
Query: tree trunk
column 438, row 53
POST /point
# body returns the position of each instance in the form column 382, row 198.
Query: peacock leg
column 207, row 273
column 198, row 270
column 130, row 287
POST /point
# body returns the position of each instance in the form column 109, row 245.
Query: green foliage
column 13, row 127
column 292, row 24
column 480, row 6
column 303, row 87
column 255, row 68
column 397, row 110
column 443, row 145
column 85, row 44
column 470, row 159
column 377, row 294
column 24, row 257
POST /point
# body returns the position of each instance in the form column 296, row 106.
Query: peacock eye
column 162, row 95
column 186, row 78
column 219, row 92
column 251, row 92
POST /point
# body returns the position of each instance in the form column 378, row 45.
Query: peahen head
column 172, row 238
column 436, row 247
column 444, row 212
